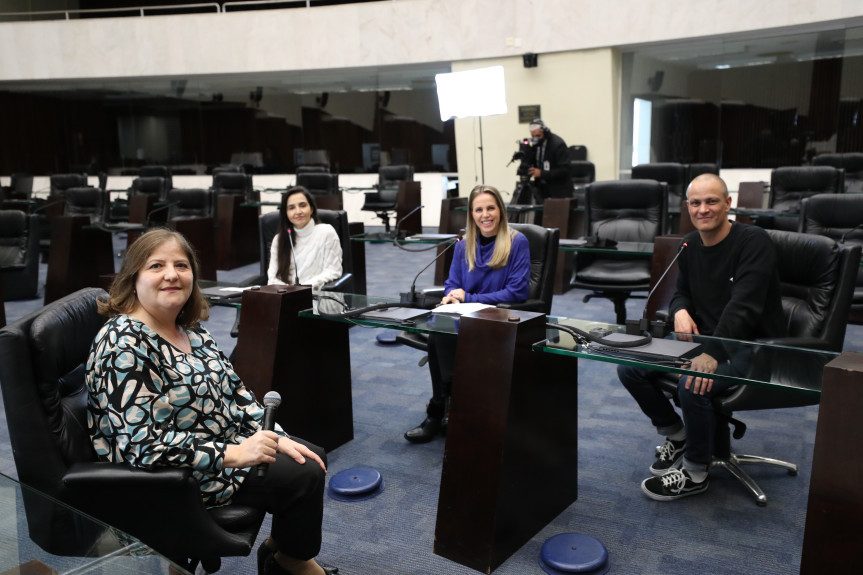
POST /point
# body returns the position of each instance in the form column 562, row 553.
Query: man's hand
column 706, row 364
column 683, row 323
column 534, row 172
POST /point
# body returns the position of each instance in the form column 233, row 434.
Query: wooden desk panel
column 833, row 536
column 78, row 256
column 409, row 198
column 511, row 459
column 451, row 221
column 201, row 233
column 306, row 360
column 237, row 241
column 561, row 213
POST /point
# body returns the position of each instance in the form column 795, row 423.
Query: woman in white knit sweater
column 316, row 254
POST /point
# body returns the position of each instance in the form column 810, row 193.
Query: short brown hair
column 122, row 298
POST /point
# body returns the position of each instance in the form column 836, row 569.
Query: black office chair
column 20, row 186
column 42, row 358
column 817, row 278
column 321, row 184
column 620, row 210
column 61, row 182
column 91, row 202
column 582, row 172
column 19, row 255
column 163, row 172
column 839, row 217
column 236, row 183
column 578, row 153
column 268, row 227
column 312, row 169
column 155, row 186
column 789, row 185
column 385, row 199
column 695, row 170
column 676, row 179
column 190, row 203
column 851, row 163
column 543, row 265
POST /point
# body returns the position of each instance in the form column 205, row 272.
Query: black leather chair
column 321, row 184
column 839, row 217
column 236, row 183
column 385, row 199
column 155, row 186
column 20, row 186
column 695, row 170
column 789, row 185
column 312, row 169
column 19, row 255
column 268, row 227
column 42, row 358
column 624, row 210
column 61, row 182
column 190, row 203
column 578, row 153
column 89, row 201
column 676, row 179
column 582, row 172
column 851, row 163
column 817, row 276
column 544, row 243
column 163, row 172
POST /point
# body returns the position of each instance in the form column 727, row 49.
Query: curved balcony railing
column 195, row 8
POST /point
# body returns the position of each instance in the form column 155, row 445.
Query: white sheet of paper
column 460, row 308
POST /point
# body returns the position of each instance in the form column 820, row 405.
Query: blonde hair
column 122, row 298
column 503, row 241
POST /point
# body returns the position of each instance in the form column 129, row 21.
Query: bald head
column 708, row 182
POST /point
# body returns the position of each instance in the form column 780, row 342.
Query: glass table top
column 42, row 536
column 768, row 365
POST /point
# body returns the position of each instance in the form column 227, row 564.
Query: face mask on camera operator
column 550, row 168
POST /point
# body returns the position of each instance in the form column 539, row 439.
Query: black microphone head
column 272, row 399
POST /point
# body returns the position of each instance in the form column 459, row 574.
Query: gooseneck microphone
column 643, row 325
column 271, row 402
column 411, row 297
column 167, row 206
column 294, row 257
column 399, row 223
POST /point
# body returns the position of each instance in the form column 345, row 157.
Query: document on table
column 460, row 308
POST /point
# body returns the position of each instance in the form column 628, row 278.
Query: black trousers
column 441, row 366
column 294, row 494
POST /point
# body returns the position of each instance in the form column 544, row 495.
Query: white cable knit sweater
column 318, row 254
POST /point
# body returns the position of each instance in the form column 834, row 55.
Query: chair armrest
column 13, row 267
column 161, row 507
column 340, row 284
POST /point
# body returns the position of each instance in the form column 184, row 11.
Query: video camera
column 526, row 155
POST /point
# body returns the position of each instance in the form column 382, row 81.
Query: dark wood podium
column 511, row 459
column 79, row 255
column 451, row 222
column 237, row 232
column 561, row 213
column 306, row 360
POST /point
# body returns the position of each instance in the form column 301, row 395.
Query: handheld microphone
column 271, row 402
column 854, row 229
column 396, row 234
column 294, row 257
column 411, row 297
column 167, row 206
column 634, row 327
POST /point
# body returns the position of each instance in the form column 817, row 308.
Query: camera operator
column 550, row 170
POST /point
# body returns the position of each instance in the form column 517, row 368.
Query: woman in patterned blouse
column 161, row 393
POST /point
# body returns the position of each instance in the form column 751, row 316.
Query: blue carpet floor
column 720, row 532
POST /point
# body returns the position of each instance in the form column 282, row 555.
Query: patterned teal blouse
column 152, row 405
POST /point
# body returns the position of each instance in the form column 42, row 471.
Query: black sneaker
column 669, row 455
column 675, row 484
